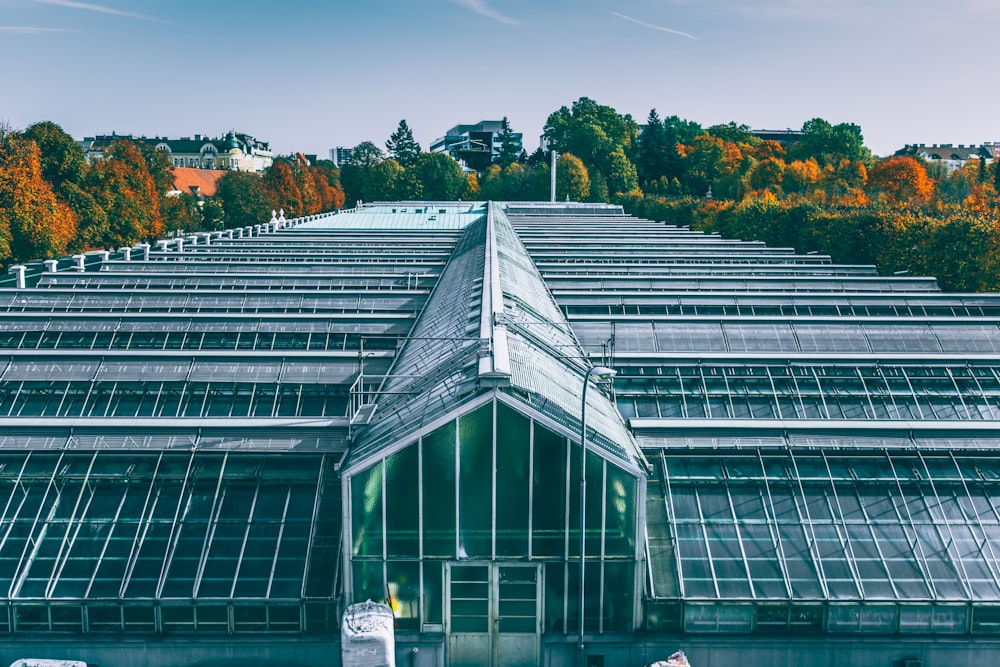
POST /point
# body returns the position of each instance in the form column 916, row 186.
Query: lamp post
column 601, row 374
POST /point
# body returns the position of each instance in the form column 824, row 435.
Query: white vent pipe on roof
column 18, row 271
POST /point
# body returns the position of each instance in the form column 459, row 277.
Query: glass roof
column 402, row 216
column 778, row 523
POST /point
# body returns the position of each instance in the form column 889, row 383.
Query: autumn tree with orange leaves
column 901, row 180
column 33, row 223
column 127, row 191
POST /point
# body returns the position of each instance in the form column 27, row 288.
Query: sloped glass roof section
column 402, row 216
column 492, row 322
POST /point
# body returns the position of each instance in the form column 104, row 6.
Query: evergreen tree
column 653, row 149
column 509, row 152
column 996, row 175
column 402, row 146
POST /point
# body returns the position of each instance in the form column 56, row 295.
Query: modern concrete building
column 476, row 146
column 210, row 446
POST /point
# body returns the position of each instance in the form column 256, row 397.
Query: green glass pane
column 555, row 596
column 403, row 582
column 475, row 519
column 433, row 584
column 366, row 512
column 619, row 585
column 549, row 494
column 619, row 524
column 439, row 492
column 368, row 583
column 402, row 503
column 592, row 596
column 513, row 462
column 595, row 504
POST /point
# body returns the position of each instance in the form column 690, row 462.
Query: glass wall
column 494, row 485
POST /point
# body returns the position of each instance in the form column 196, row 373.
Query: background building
column 341, row 155
column 214, row 444
column 476, row 146
column 236, row 151
column 951, row 156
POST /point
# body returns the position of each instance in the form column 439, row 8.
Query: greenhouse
column 213, row 444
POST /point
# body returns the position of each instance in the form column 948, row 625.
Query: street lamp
column 601, row 374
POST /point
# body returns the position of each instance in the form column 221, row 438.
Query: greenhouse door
column 493, row 615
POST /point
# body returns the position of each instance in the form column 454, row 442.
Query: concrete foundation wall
column 178, row 652
column 624, row 651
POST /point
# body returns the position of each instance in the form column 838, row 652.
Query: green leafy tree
column 827, row 143
column 244, row 198
column 733, row 133
column 572, row 178
column 492, row 186
column 622, row 175
column 402, row 146
column 181, row 212
column 62, row 158
column 213, row 215
column 592, row 132
column 160, row 167
column 599, row 191
column 441, row 177
column 353, row 176
column 366, row 155
column 385, row 182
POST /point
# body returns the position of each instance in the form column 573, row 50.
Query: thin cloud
column 73, row 4
column 30, row 30
column 653, row 26
column 480, row 7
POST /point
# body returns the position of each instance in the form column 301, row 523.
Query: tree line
column 825, row 191
column 53, row 202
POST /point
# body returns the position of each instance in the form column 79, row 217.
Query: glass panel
column 433, row 585
column 403, row 584
column 718, row 618
column 368, row 583
column 513, row 460
column 861, row 618
column 619, row 529
column 595, row 505
column 549, row 493
column 517, row 605
column 476, row 483
column 402, row 504
column 619, row 584
column 366, row 511
column 439, row 492
column 470, row 598
column 555, row 587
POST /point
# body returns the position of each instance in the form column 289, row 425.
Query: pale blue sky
column 307, row 76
